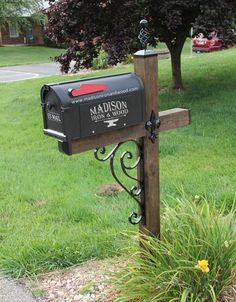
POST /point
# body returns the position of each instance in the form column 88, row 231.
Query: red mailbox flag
column 87, row 89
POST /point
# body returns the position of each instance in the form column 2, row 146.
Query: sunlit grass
column 50, row 215
column 23, row 55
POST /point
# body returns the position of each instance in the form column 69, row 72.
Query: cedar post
column 145, row 66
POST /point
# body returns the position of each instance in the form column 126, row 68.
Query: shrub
column 100, row 62
column 129, row 59
column 194, row 261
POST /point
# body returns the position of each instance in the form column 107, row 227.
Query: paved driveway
column 25, row 72
column 13, row 292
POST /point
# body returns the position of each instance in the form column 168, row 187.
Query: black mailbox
column 84, row 108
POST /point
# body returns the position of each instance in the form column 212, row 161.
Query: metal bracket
column 136, row 190
column 153, row 125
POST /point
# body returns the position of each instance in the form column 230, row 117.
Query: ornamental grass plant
column 195, row 260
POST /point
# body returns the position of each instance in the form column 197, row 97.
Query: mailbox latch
column 153, row 125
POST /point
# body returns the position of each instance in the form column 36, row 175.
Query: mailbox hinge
column 128, row 161
column 153, row 125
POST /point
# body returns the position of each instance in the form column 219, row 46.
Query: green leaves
column 13, row 11
column 85, row 26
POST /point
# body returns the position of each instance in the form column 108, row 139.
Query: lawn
column 23, row 55
column 51, row 216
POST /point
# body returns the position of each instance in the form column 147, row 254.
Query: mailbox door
column 53, row 116
column 114, row 113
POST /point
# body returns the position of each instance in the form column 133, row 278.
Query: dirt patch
column 109, row 190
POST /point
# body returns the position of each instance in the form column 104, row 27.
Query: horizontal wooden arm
column 170, row 119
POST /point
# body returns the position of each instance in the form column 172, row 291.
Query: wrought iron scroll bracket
column 153, row 125
column 136, row 190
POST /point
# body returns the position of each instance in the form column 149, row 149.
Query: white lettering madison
column 109, row 110
column 108, row 107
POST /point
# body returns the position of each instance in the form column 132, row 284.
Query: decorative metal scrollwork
column 135, row 191
column 144, row 34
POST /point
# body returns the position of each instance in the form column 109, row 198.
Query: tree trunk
column 175, row 52
column 176, row 68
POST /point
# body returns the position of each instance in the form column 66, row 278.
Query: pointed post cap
column 143, row 37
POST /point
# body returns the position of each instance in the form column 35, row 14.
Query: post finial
column 144, row 33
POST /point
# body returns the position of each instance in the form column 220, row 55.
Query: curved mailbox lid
column 104, row 87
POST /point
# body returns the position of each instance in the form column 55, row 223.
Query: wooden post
column 145, row 66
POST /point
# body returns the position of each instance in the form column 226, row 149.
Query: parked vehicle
column 207, row 44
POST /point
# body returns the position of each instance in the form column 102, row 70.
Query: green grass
column 23, row 55
column 50, row 216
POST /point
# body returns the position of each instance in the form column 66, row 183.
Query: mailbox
column 79, row 109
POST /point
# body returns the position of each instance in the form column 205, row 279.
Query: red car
column 211, row 43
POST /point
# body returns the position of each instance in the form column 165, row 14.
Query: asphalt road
column 25, row 72
column 13, row 292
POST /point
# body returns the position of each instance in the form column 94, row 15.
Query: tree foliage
column 86, row 26
column 12, row 10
